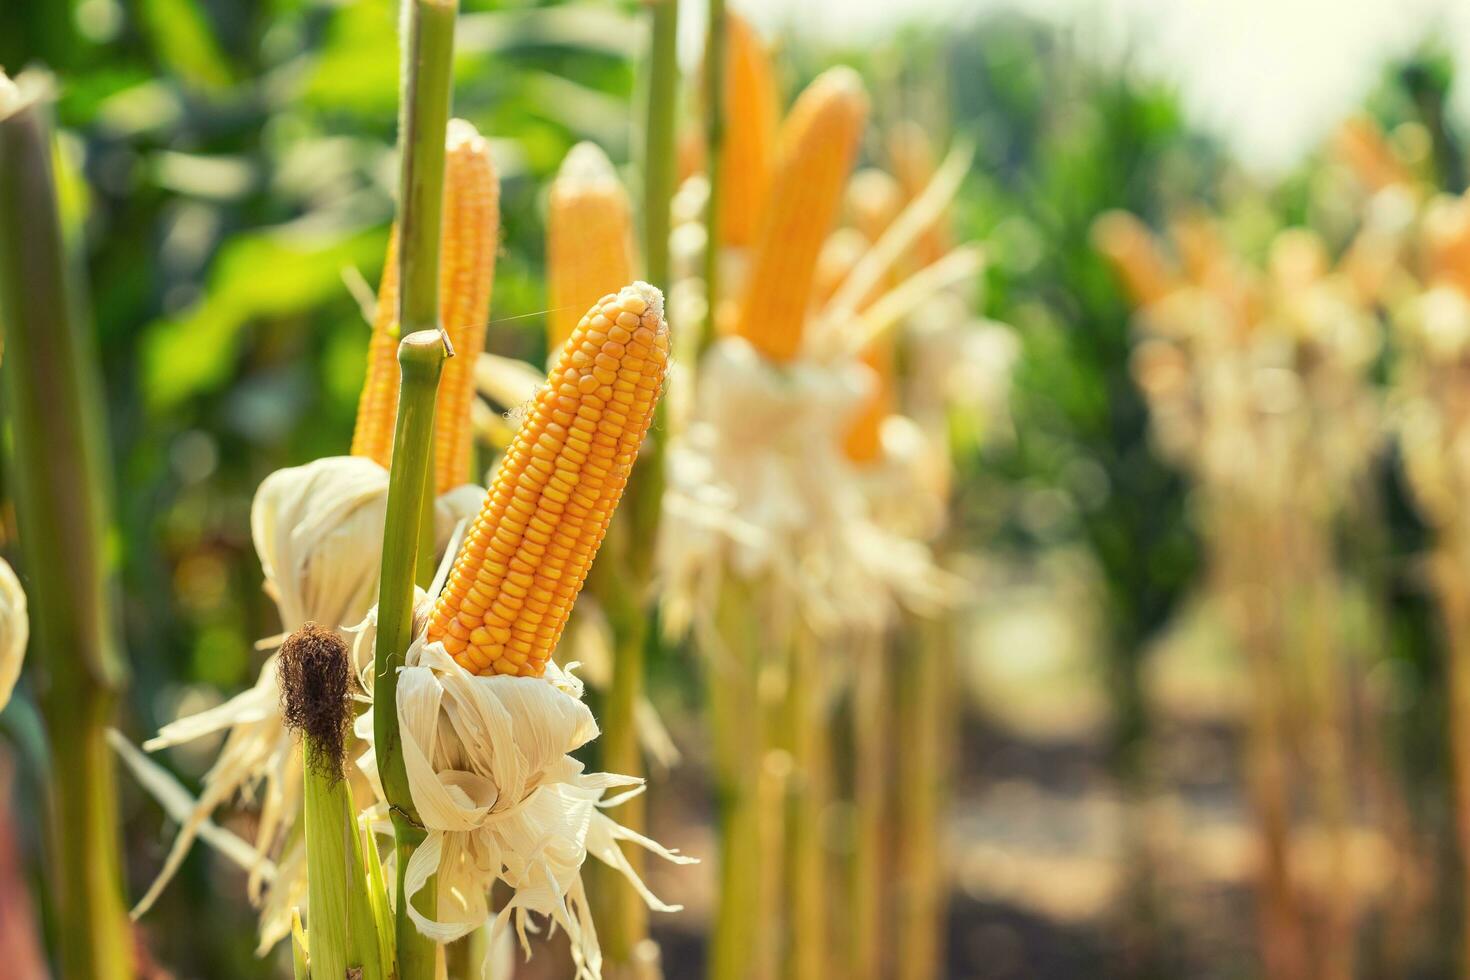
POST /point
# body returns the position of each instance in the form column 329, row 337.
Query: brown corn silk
column 589, row 238
column 818, row 142
column 526, row 556
column 466, row 272
column 752, row 119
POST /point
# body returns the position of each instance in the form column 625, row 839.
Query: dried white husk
column 758, row 488
column 501, row 798
column 15, row 631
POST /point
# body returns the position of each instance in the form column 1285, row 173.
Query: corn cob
column 874, row 199
column 525, row 558
column 467, row 270
column 589, row 238
column 1135, row 255
column 863, row 443
column 752, row 117
column 817, row 144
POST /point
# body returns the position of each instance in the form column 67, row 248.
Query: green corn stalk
column 58, row 467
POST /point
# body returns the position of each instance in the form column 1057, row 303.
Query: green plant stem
column 57, row 471
column 428, row 62
column 738, row 751
column 326, row 863
column 871, row 739
column 427, row 84
column 418, row 956
column 924, row 724
column 420, row 358
column 621, row 575
column 714, row 141
column 622, row 918
column 807, row 954
column 661, row 99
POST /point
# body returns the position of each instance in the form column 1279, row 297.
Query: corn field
column 611, row 490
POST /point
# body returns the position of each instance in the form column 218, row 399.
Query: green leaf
column 267, row 274
column 185, row 42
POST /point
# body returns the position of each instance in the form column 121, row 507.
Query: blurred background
column 1131, row 523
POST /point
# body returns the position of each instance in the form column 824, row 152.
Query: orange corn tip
column 526, row 556
column 1134, row 253
column 589, row 238
column 752, row 119
column 468, row 243
column 817, row 145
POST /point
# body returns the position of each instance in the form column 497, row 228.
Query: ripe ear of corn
column 466, row 273
column 524, row 560
column 863, row 443
column 589, row 238
column 818, row 142
column 752, row 118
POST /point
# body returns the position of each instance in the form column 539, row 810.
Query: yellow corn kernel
column 589, row 238
column 874, row 199
column 752, row 118
column 377, row 406
column 863, row 443
column 1130, row 247
column 817, row 144
column 468, row 242
column 525, row 558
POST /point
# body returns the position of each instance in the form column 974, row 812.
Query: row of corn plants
column 1279, row 385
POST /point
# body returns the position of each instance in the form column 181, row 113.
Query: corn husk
column 15, row 631
column 502, row 799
